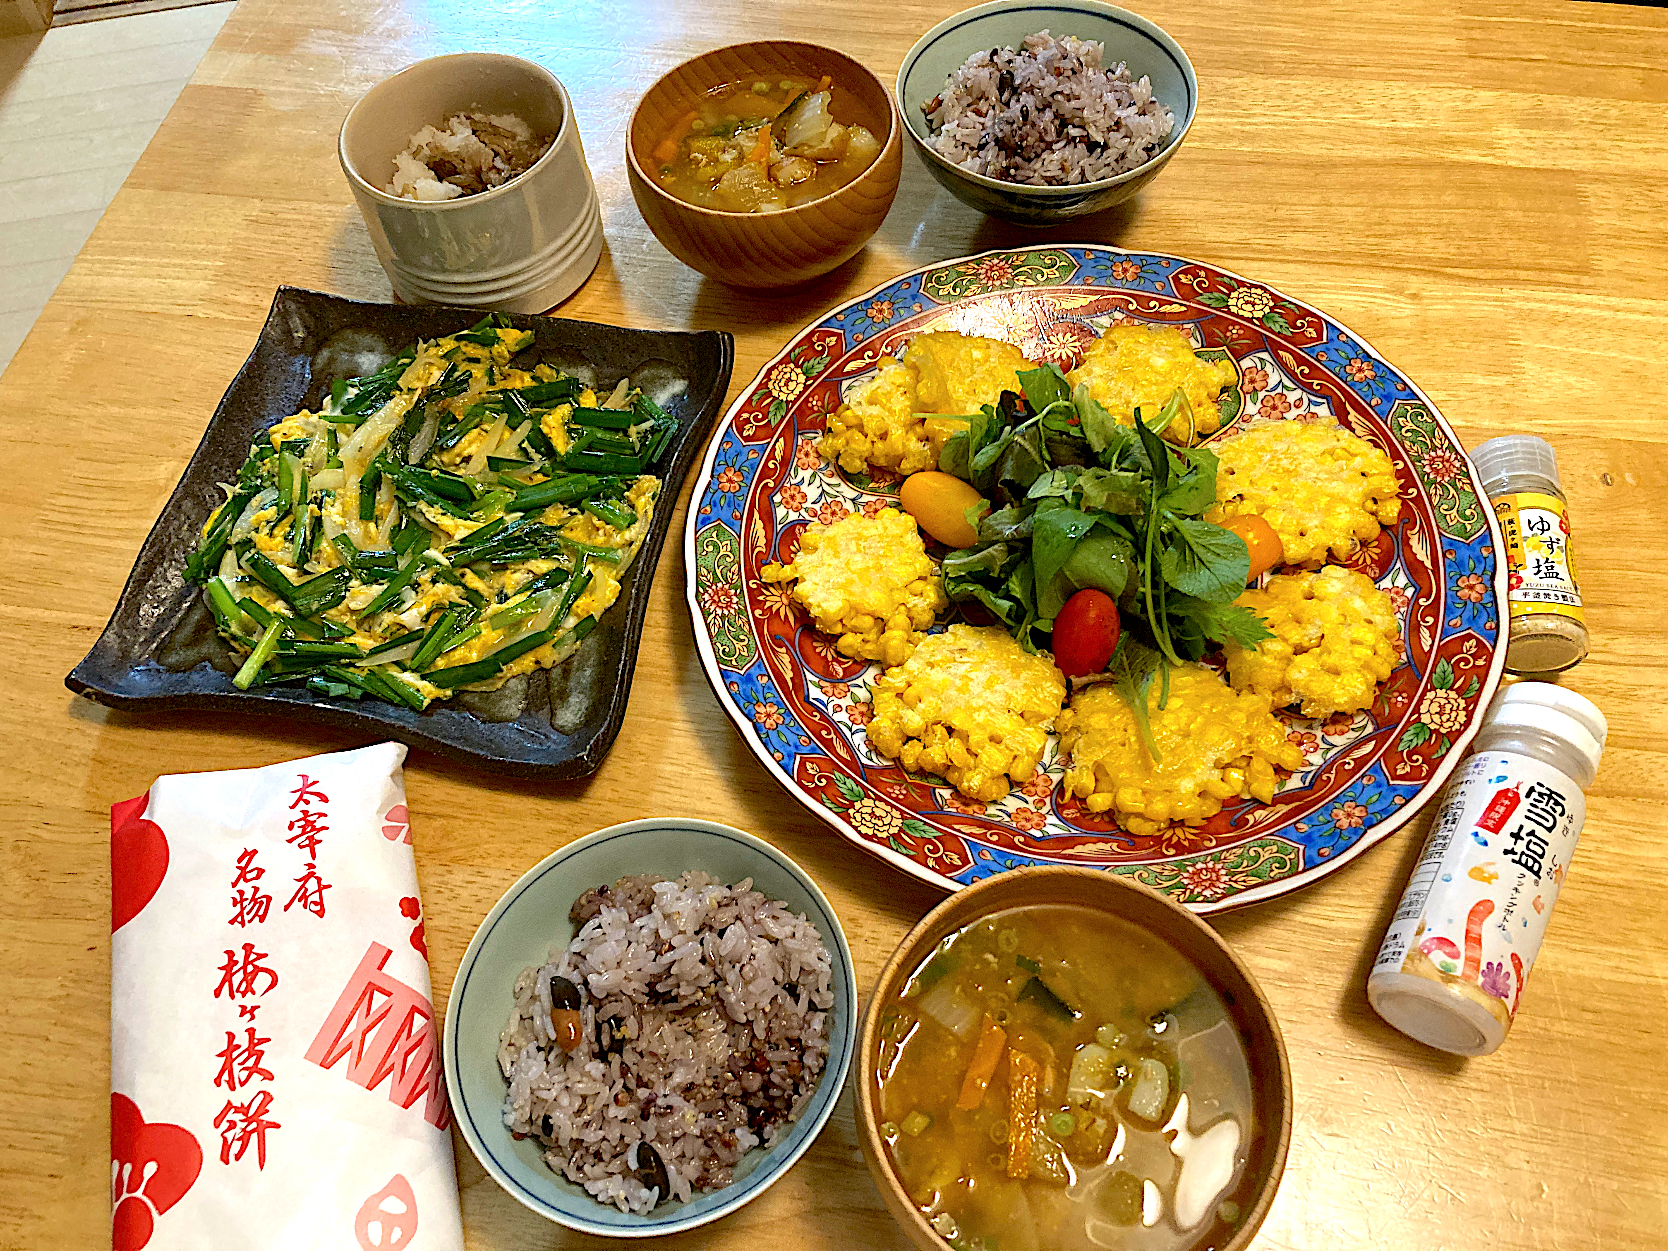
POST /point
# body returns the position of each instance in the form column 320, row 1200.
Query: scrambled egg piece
column 1320, row 487
column 867, row 580
column 959, row 373
column 970, row 705
column 1132, row 367
column 598, row 597
column 877, row 426
column 1335, row 639
column 1214, row 743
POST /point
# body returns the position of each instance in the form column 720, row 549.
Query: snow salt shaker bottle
column 1454, row 961
column 1547, row 633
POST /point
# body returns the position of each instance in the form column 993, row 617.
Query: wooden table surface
column 1476, row 188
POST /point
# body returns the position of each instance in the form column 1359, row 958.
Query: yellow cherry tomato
column 1260, row 540
column 939, row 504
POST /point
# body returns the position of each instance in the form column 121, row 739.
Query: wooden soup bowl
column 1248, row 1008
column 766, row 249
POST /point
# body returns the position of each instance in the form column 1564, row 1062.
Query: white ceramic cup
column 521, row 247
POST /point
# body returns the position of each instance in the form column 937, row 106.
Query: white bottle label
column 1476, row 908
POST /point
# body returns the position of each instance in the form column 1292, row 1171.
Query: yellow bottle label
column 1540, row 565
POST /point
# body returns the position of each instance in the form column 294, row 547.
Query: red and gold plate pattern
column 803, row 708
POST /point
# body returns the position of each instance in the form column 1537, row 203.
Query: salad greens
column 1079, row 500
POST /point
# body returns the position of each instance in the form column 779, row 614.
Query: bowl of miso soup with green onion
column 1058, row 1059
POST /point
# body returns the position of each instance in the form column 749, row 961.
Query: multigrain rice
column 1046, row 114
column 704, row 1032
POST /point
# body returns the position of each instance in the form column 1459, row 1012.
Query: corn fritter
column 960, row 373
column 1320, row 487
column 1336, row 638
column 1214, row 743
column 877, row 426
column 1132, row 367
column 867, row 580
column 970, row 705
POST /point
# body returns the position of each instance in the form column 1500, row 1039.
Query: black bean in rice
column 705, row 1031
column 1046, row 114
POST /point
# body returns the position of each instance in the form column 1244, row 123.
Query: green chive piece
column 481, row 670
column 560, row 490
column 435, row 641
column 391, row 644
column 262, row 653
column 404, row 578
column 369, row 481
column 231, row 618
column 612, row 514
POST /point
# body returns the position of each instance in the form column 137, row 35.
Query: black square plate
column 160, row 650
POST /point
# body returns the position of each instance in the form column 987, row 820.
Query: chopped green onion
column 610, row 554
column 556, row 391
column 493, row 502
column 576, row 588
column 269, row 574
column 434, row 641
column 320, row 593
column 602, row 463
column 287, row 466
column 605, row 418
column 612, row 514
column 458, row 640
column 231, row 618
column 404, row 578
column 915, row 1123
column 391, row 645
column 305, row 648
column 539, row 441
column 561, row 490
column 1060, row 1125
column 369, row 481
column 394, row 690
column 410, row 535
column 262, row 653
column 481, row 670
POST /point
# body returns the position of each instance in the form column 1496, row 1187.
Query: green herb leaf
column 1099, row 427
column 1053, row 537
column 1101, row 561
column 1007, row 524
column 1056, row 483
column 1194, row 491
column 1204, row 560
column 1121, row 491
column 990, row 558
column 1223, row 622
column 1044, row 387
column 1133, row 667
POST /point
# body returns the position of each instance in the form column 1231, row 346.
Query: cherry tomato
column 1086, row 633
column 1260, row 540
column 939, row 504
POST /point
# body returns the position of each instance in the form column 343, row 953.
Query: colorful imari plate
column 802, row 707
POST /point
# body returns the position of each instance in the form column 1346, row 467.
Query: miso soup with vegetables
column 1053, row 1078
column 762, row 145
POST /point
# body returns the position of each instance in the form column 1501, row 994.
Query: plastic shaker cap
column 1435, row 1015
column 1556, row 712
column 1498, row 459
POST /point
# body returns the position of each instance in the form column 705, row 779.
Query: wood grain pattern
column 1475, row 186
column 767, row 250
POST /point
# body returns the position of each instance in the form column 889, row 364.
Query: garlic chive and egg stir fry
column 1100, row 555
column 446, row 523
